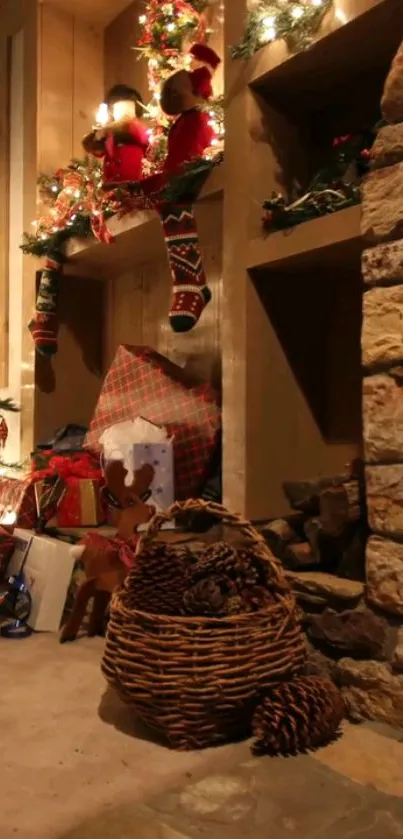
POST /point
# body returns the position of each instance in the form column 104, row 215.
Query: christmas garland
column 89, row 205
column 297, row 21
column 333, row 189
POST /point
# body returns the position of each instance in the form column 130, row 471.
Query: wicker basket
column 195, row 680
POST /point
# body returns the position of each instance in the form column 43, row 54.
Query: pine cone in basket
column 297, row 716
column 209, row 597
column 219, row 558
column 224, row 559
column 255, row 598
column 157, row 582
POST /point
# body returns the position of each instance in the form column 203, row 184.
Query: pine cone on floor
column 209, row 597
column 297, row 716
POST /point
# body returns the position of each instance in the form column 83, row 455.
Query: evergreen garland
column 297, row 22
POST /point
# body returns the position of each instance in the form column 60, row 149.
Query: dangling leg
column 45, row 324
column 190, row 291
column 83, row 596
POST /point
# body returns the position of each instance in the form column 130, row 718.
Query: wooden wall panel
column 70, row 89
column 4, row 205
column 71, row 84
column 88, row 79
column 67, row 387
column 137, row 313
column 122, row 64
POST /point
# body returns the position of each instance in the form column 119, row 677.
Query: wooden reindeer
column 100, row 556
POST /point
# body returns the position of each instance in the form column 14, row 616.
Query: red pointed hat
column 204, row 53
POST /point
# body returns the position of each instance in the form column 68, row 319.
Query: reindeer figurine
column 101, row 557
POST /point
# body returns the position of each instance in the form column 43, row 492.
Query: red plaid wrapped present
column 17, row 498
column 140, row 382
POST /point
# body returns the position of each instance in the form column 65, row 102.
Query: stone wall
column 374, row 687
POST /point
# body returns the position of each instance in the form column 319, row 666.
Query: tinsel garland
column 330, row 191
column 296, row 21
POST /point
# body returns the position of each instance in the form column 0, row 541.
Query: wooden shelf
column 139, row 238
column 302, row 82
column 333, row 239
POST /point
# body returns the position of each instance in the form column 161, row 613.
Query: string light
column 165, row 26
column 102, row 115
column 295, row 21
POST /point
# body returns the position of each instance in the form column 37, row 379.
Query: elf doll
column 190, row 135
column 122, row 143
column 204, row 63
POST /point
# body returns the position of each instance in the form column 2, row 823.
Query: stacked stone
column 375, row 689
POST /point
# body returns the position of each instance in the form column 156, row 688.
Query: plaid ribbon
column 18, row 496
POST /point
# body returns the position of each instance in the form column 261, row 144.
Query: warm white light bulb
column 316, row 2
column 268, row 34
column 171, row 27
column 297, row 13
column 102, row 114
column 268, row 21
column 143, row 19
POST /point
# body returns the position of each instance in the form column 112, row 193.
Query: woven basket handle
column 227, row 518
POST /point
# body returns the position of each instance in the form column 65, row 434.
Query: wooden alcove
column 291, row 335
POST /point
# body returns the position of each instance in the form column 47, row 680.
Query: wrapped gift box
column 79, row 504
column 68, row 492
column 17, row 502
column 140, row 382
column 47, row 568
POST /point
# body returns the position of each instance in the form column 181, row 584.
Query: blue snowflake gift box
column 161, row 457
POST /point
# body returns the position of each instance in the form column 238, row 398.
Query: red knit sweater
column 122, row 161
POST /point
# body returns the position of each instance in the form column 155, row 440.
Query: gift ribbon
column 67, row 467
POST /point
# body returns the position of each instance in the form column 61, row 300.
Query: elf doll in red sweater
column 204, row 63
column 123, row 142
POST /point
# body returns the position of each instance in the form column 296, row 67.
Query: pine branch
column 9, row 405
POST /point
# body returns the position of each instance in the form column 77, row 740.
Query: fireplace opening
column 314, row 313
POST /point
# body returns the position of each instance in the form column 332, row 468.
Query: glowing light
column 143, row 19
column 268, row 34
column 341, row 16
column 297, row 13
column 102, row 115
column 171, row 27
column 268, row 22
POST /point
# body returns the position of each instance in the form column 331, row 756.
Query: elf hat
column 204, row 53
column 122, row 93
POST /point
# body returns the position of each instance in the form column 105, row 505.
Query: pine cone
column 255, row 569
column 157, row 582
column 255, row 598
column 297, row 716
column 220, row 558
column 209, row 596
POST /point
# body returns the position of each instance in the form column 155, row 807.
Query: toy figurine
column 123, row 142
column 204, row 63
column 191, row 133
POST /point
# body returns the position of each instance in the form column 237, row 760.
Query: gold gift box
column 85, row 511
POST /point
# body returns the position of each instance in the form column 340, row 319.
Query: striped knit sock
column 45, row 324
column 190, row 292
